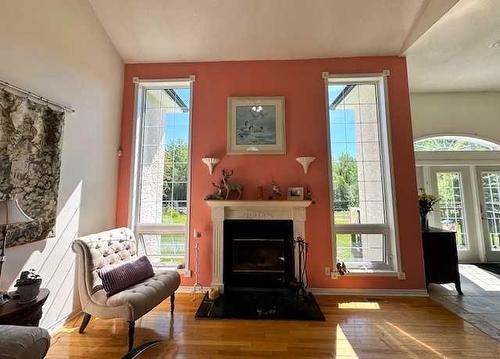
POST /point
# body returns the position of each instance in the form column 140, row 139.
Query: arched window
column 455, row 143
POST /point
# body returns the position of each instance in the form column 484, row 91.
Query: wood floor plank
column 355, row 328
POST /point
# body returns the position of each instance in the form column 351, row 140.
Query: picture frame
column 295, row 194
column 256, row 126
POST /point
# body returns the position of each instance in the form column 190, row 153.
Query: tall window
column 361, row 173
column 162, row 171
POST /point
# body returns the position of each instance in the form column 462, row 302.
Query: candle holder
column 211, row 162
column 197, row 287
column 305, row 162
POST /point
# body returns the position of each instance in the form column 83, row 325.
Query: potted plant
column 28, row 285
column 426, row 203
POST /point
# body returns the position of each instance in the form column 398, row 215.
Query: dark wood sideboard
column 441, row 257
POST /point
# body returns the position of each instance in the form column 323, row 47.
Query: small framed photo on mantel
column 295, row 194
column 256, row 126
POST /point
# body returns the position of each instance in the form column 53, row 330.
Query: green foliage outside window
column 175, row 182
column 346, row 196
column 345, row 183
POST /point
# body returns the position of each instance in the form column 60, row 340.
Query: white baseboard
column 60, row 323
column 340, row 291
column 371, row 292
column 188, row 289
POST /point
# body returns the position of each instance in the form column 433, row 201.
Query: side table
column 26, row 314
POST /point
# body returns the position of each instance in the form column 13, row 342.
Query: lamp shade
column 11, row 213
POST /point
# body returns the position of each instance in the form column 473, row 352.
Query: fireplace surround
column 255, row 261
column 223, row 212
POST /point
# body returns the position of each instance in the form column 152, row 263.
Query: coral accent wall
column 301, row 83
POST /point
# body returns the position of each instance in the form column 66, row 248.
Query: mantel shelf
column 267, row 204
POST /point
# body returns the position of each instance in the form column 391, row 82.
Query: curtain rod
column 36, row 97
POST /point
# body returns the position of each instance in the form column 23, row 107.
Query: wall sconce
column 305, row 162
column 210, row 162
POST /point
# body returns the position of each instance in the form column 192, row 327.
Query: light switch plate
column 328, row 271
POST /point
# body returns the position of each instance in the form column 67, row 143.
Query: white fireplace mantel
column 274, row 204
column 270, row 210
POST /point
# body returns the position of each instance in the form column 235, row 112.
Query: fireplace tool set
column 302, row 247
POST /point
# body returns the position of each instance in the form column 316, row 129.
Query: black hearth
column 258, row 254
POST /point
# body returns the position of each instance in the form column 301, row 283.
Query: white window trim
column 136, row 159
column 391, row 228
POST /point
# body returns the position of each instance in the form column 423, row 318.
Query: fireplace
column 254, row 212
column 255, row 261
column 258, row 254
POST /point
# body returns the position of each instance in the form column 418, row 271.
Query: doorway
column 489, row 194
column 465, row 174
column 469, row 205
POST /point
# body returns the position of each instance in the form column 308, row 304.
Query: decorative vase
column 424, row 221
column 29, row 292
column 213, row 293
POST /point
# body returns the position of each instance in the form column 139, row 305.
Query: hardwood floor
column 355, row 327
column 480, row 304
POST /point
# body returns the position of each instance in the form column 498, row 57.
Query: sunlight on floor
column 359, row 305
column 480, row 277
column 66, row 330
column 408, row 335
column 343, row 348
column 449, row 286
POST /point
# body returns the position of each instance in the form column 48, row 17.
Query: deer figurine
column 217, row 194
column 229, row 186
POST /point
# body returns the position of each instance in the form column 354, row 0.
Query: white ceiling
column 214, row 30
column 454, row 55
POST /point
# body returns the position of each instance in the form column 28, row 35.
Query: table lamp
column 10, row 213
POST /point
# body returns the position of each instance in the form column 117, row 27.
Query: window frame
column 140, row 88
column 390, row 228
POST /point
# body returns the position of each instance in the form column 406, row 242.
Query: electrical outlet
column 328, row 271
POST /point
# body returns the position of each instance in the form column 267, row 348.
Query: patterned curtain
column 30, row 161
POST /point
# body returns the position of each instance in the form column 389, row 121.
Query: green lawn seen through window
column 173, row 249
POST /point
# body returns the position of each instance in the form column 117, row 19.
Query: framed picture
column 256, row 125
column 295, row 193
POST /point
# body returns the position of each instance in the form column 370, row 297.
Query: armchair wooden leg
column 131, row 331
column 85, row 322
column 172, row 303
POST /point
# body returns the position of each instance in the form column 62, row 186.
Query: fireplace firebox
column 258, row 254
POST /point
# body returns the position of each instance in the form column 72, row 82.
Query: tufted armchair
column 111, row 248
